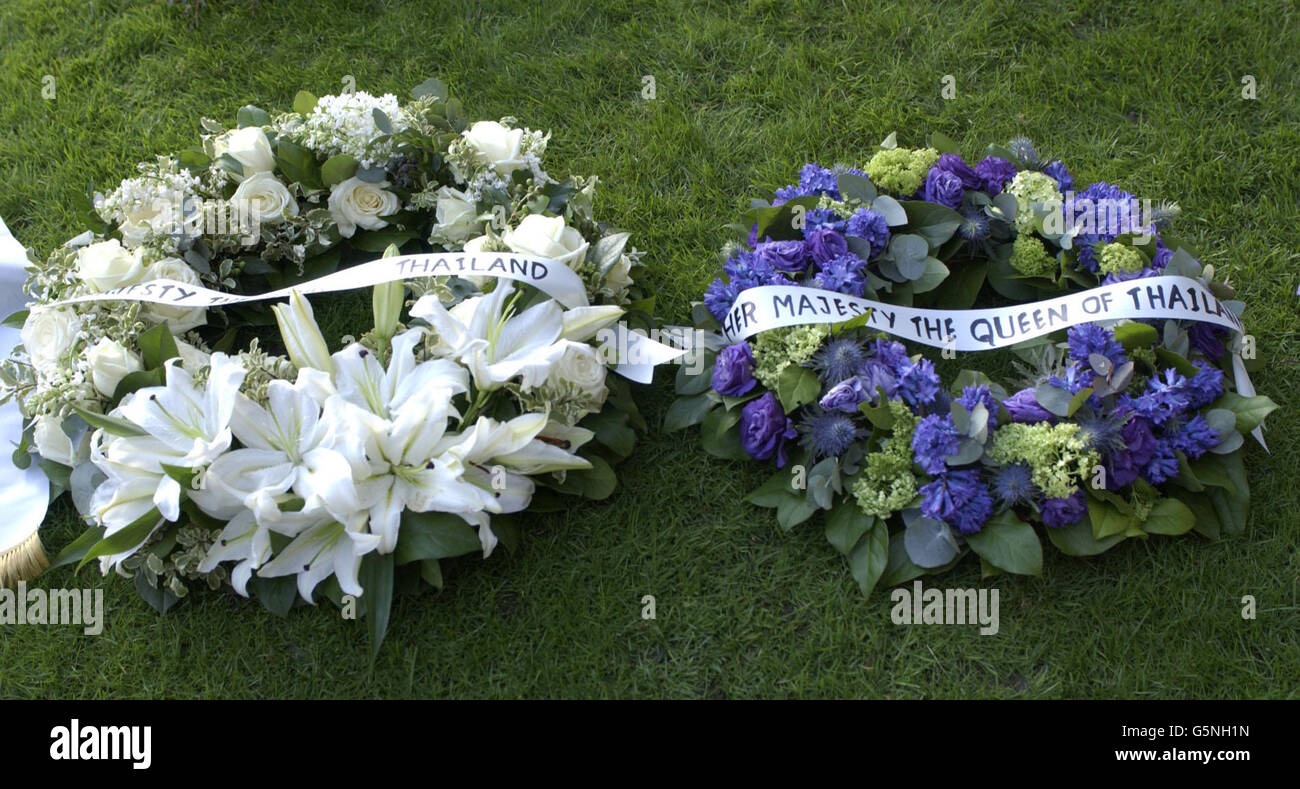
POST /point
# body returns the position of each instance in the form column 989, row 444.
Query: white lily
column 193, row 424
column 322, row 549
column 242, row 539
column 497, row 345
column 301, row 334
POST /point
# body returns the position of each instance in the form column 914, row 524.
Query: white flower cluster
column 333, row 459
column 489, row 152
column 345, row 124
column 160, row 206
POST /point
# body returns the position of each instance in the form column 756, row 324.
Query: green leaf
column 1010, row 544
column 1207, row 517
column 687, row 383
column 687, row 411
column 718, row 437
column 157, row 346
column 434, row 535
column 16, row 319
column 1107, row 520
column 856, row 187
column 378, row 241
column 1250, row 411
column 846, row 524
column 1169, row 516
column 304, row 103
column 248, row 115
column 430, row 87
column 1135, row 335
column 943, row 143
column 76, row 550
column 870, row 557
column 797, row 386
column 776, row 489
column 382, row 123
column 110, row 424
column 930, row 543
column 160, row 599
column 890, row 209
column 793, row 511
column 126, row 538
column 1054, row 399
column 1076, row 402
column 298, row 165
column 376, row 578
column 597, row 482
column 935, row 223
column 611, row 429
column 934, row 275
column 1077, row 540
column 132, row 382
column 1176, row 361
column 431, row 572
column 338, row 169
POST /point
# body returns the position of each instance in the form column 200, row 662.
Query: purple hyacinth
column 918, row 384
column 972, row 396
column 719, row 297
column 1062, row 176
column 934, row 440
column 1195, row 437
column 1086, row 339
column 845, row 274
column 1206, row 386
column 871, row 226
column 1124, row 466
column 959, row 499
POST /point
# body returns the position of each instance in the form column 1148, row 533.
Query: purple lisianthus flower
column 1162, row 256
column 719, row 297
column 953, row 163
column 824, row 245
column 1062, row 176
column 1066, row 511
column 876, row 374
column 1086, row 339
column 844, row 274
column 733, row 371
column 959, row 499
column 765, row 429
column 1123, row 467
column 994, row 172
column 942, row 187
column 870, row 225
column 846, row 395
column 934, row 440
column 788, row 256
column 1023, row 407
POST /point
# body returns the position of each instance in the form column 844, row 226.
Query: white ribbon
column 1169, row 296
column 25, row 492
column 551, row 277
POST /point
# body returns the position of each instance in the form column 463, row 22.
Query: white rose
column 105, row 265
column 141, row 217
column 583, row 367
column 53, row 444
column 179, row 319
column 357, row 203
column 109, row 363
column 496, row 146
column 619, row 276
column 50, row 333
column 547, row 237
column 249, row 147
column 268, row 200
column 457, row 216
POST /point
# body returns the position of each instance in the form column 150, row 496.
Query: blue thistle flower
column 976, row 225
column 1014, row 484
column 828, row 433
column 1023, row 149
column 838, row 360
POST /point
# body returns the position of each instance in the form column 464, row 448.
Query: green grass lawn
column 1147, row 95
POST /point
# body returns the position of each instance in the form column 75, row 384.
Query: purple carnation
column 733, row 371
column 1066, row 511
column 871, row 226
column 953, row 163
column 824, row 245
column 764, row 429
column 934, row 440
column 942, row 187
column 959, row 499
column 787, row 256
column 994, row 172
column 1023, row 407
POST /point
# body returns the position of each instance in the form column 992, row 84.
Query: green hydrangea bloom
column 901, row 170
column 887, row 483
column 1029, row 257
column 1114, row 258
column 777, row 349
column 1057, row 455
column 1029, row 187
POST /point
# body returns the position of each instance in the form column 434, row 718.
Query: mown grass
column 1143, row 94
